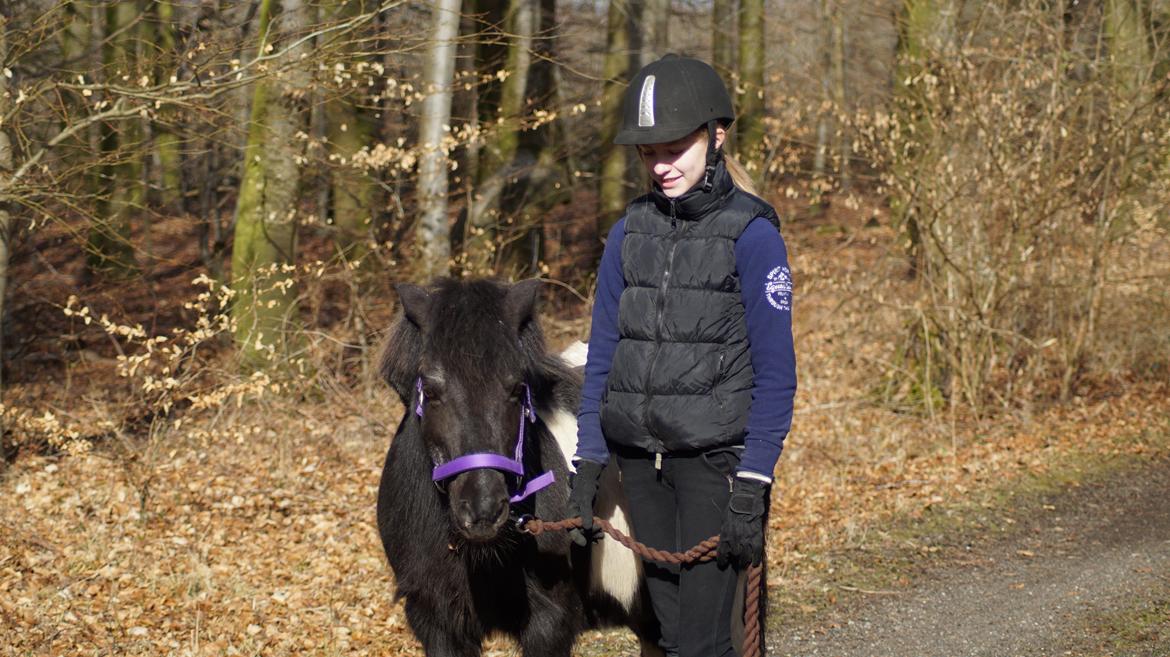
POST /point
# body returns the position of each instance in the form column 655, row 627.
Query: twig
column 566, row 286
column 854, row 589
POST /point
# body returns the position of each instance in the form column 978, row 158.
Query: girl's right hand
column 582, row 492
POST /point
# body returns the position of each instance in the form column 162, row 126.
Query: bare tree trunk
column 5, row 217
column 1130, row 66
column 542, row 172
column 614, row 159
column 723, row 24
column 926, row 29
column 166, row 141
column 834, row 139
column 840, row 94
column 497, row 158
column 432, row 237
column 1160, row 12
column 655, row 30
column 465, row 115
column 265, row 308
column 751, row 71
column 1129, row 52
column 349, row 128
column 109, row 249
column 824, row 119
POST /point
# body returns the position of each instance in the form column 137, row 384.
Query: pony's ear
column 416, row 302
column 521, row 302
column 398, row 363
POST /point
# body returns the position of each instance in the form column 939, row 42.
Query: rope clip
column 522, row 523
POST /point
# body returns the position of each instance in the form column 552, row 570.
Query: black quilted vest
column 681, row 377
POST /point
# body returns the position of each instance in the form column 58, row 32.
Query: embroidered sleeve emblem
column 778, row 289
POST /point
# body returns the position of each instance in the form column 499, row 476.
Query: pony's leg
column 438, row 634
column 552, row 628
column 551, row 641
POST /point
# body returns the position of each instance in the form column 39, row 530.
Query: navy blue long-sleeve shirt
column 766, row 287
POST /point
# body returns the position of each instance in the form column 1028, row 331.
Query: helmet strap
column 713, row 153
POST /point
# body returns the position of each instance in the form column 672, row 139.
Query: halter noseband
column 480, row 460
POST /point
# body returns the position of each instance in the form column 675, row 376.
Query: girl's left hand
column 741, row 539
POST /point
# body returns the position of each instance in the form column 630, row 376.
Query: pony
column 485, row 441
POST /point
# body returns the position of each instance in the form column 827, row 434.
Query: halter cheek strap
column 488, row 460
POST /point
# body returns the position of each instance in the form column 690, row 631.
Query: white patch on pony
column 575, row 354
column 615, row 570
column 563, row 426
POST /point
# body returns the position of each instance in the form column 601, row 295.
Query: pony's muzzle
column 479, row 502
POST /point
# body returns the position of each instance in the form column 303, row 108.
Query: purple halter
column 493, row 461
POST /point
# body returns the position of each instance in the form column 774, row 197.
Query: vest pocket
column 723, row 461
column 719, row 365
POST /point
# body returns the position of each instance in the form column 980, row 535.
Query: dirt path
column 1088, row 575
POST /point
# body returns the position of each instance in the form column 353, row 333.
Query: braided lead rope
column 751, row 612
column 706, row 550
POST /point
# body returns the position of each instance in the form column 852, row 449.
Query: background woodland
column 292, row 158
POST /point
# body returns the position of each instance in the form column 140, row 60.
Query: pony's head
column 471, row 347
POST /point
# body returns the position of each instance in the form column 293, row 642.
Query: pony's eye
column 432, row 392
column 517, row 392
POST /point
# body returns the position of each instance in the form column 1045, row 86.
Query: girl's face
column 678, row 166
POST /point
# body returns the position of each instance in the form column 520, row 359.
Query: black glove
column 741, row 540
column 582, row 490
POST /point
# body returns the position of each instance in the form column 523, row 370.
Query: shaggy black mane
column 475, row 336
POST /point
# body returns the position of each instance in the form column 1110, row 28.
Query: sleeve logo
column 778, row 289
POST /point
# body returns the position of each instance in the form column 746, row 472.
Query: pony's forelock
column 472, row 351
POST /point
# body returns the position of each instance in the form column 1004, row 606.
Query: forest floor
column 247, row 528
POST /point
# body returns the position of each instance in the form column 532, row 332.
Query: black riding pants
column 673, row 508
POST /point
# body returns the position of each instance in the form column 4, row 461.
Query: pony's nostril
column 490, row 508
column 464, row 513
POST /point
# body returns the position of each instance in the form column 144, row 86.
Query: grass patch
column 1142, row 630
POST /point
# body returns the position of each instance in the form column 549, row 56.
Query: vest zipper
column 660, row 312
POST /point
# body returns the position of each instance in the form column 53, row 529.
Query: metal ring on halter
column 522, row 522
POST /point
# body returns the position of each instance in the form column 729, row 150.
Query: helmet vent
column 646, row 103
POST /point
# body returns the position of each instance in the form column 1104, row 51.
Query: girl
column 691, row 374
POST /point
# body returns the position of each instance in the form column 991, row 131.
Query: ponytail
column 739, row 175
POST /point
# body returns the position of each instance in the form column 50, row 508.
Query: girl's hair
column 739, row 175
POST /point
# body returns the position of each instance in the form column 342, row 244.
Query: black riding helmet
column 670, row 98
